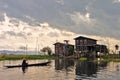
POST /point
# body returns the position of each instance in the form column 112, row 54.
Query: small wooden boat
column 29, row 65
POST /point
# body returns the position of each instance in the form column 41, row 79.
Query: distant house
column 101, row 48
column 62, row 49
column 88, row 45
column 84, row 44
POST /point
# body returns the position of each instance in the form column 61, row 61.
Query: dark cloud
column 41, row 34
column 53, row 34
column 29, row 34
column 104, row 15
column 2, row 36
column 15, row 22
column 12, row 33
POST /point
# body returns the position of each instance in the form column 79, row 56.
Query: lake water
column 60, row 69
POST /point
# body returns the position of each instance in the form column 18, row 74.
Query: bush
column 83, row 59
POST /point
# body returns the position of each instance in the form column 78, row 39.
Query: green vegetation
column 108, row 60
column 116, row 60
column 71, row 50
column 19, row 57
column 83, row 59
column 1, row 58
column 104, row 58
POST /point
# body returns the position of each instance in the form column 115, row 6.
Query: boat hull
column 29, row 65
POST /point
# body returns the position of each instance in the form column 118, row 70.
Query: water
column 62, row 70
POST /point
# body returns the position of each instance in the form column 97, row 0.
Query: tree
column 116, row 47
column 71, row 50
column 47, row 49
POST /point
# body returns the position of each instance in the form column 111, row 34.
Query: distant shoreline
column 20, row 57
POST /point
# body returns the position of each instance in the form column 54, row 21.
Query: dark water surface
column 60, row 69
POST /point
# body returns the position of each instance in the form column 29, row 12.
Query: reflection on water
column 24, row 69
column 83, row 69
column 61, row 64
column 88, row 70
column 62, row 69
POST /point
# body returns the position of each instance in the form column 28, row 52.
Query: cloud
column 92, row 17
column 97, row 19
column 63, row 18
column 45, row 24
column 17, row 36
column 66, row 33
column 11, row 33
column 79, row 18
column 116, row 1
column 53, row 34
column 30, row 18
column 60, row 2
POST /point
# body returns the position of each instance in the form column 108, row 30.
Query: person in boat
column 24, row 65
column 24, row 62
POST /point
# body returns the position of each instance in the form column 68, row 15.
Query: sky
column 44, row 22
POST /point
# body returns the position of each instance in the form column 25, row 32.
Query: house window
column 81, row 48
column 77, row 42
column 85, row 41
column 81, row 42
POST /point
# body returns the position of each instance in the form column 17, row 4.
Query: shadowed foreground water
column 62, row 70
